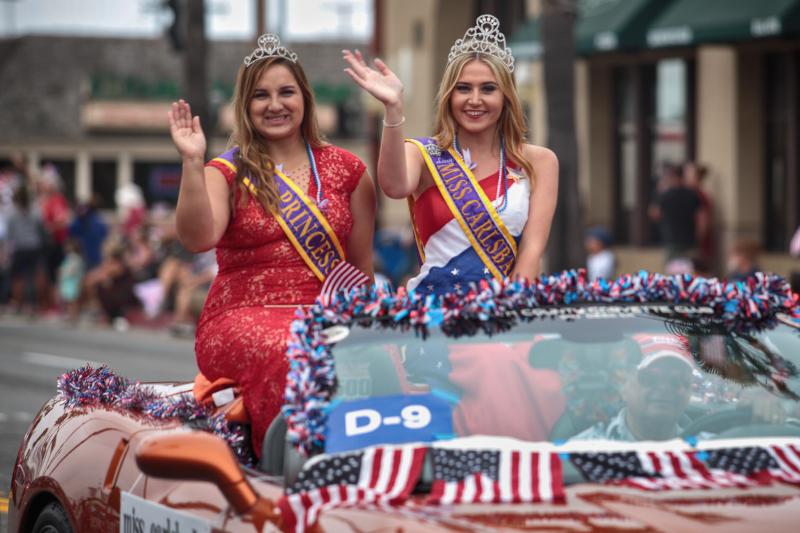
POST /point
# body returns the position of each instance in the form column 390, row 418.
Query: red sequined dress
column 239, row 336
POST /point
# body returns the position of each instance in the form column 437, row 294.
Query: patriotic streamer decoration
column 495, row 476
column 92, row 387
column 383, row 475
column 742, row 306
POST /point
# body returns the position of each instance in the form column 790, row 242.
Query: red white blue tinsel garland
column 489, row 307
column 91, row 387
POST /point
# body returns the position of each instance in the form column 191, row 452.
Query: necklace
column 320, row 200
column 502, row 173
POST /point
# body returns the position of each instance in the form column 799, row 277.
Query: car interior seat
column 360, row 372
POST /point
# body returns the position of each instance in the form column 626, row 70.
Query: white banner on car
column 137, row 515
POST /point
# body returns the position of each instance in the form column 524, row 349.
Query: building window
column 104, row 182
column 66, row 170
column 782, row 194
column 627, row 154
column 159, row 180
column 670, row 127
column 654, row 117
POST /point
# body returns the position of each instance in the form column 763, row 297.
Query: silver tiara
column 485, row 38
column 269, row 45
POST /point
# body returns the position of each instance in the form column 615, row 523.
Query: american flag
column 377, row 475
column 343, row 276
column 681, row 470
column 787, row 459
column 495, row 476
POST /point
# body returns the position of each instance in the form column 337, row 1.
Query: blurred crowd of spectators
column 82, row 263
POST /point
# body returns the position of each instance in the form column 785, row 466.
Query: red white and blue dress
column 450, row 262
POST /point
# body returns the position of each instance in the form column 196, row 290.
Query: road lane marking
column 56, row 361
column 19, row 416
column 22, row 416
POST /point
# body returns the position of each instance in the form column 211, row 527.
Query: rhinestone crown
column 485, row 38
column 269, row 45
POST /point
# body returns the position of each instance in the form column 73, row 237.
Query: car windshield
column 616, row 373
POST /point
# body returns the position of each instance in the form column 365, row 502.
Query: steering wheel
column 719, row 421
column 726, row 419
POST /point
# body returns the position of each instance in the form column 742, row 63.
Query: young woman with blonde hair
column 481, row 199
column 286, row 212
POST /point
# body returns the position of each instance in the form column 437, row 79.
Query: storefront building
column 97, row 108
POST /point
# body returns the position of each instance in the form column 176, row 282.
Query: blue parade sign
column 387, row 419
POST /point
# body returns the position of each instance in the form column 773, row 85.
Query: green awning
column 607, row 25
column 525, row 42
column 688, row 22
column 602, row 26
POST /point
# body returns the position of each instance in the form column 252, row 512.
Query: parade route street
column 34, row 353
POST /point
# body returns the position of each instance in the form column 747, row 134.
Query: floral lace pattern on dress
column 239, row 335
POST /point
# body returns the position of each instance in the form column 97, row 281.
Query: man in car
column 655, row 394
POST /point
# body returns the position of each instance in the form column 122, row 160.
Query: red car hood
column 593, row 508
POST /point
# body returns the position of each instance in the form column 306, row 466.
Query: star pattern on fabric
column 746, row 461
column 455, row 465
column 602, row 467
column 454, row 272
column 430, row 286
column 486, row 270
column 336, row 470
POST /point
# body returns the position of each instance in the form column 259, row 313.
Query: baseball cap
column 656, row 346
column 601, row 234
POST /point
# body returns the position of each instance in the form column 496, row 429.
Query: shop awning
column 525, row 43
column 607, row 25
column 688, row 22
column 602, row 26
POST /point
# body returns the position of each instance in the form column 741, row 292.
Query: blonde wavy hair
column 511, row 123
column 253, row 161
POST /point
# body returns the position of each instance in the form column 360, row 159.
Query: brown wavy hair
column 511, row 123
column 252, row 160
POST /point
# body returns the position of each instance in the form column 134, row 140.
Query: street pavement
column 33, row 353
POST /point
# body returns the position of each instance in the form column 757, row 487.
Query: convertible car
column 648, row 403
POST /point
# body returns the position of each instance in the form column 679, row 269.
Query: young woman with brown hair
column 284, row 210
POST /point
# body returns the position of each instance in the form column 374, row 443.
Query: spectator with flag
column 289, row 215
column 481, row 199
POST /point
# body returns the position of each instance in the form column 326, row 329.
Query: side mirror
column 200, row 456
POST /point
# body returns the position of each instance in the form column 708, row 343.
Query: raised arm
column 203, row 209
column 362, row 204
column 399, row 167
column 544, row 193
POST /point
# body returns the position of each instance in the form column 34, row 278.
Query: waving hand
column 380, row 82
column 186, row 131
